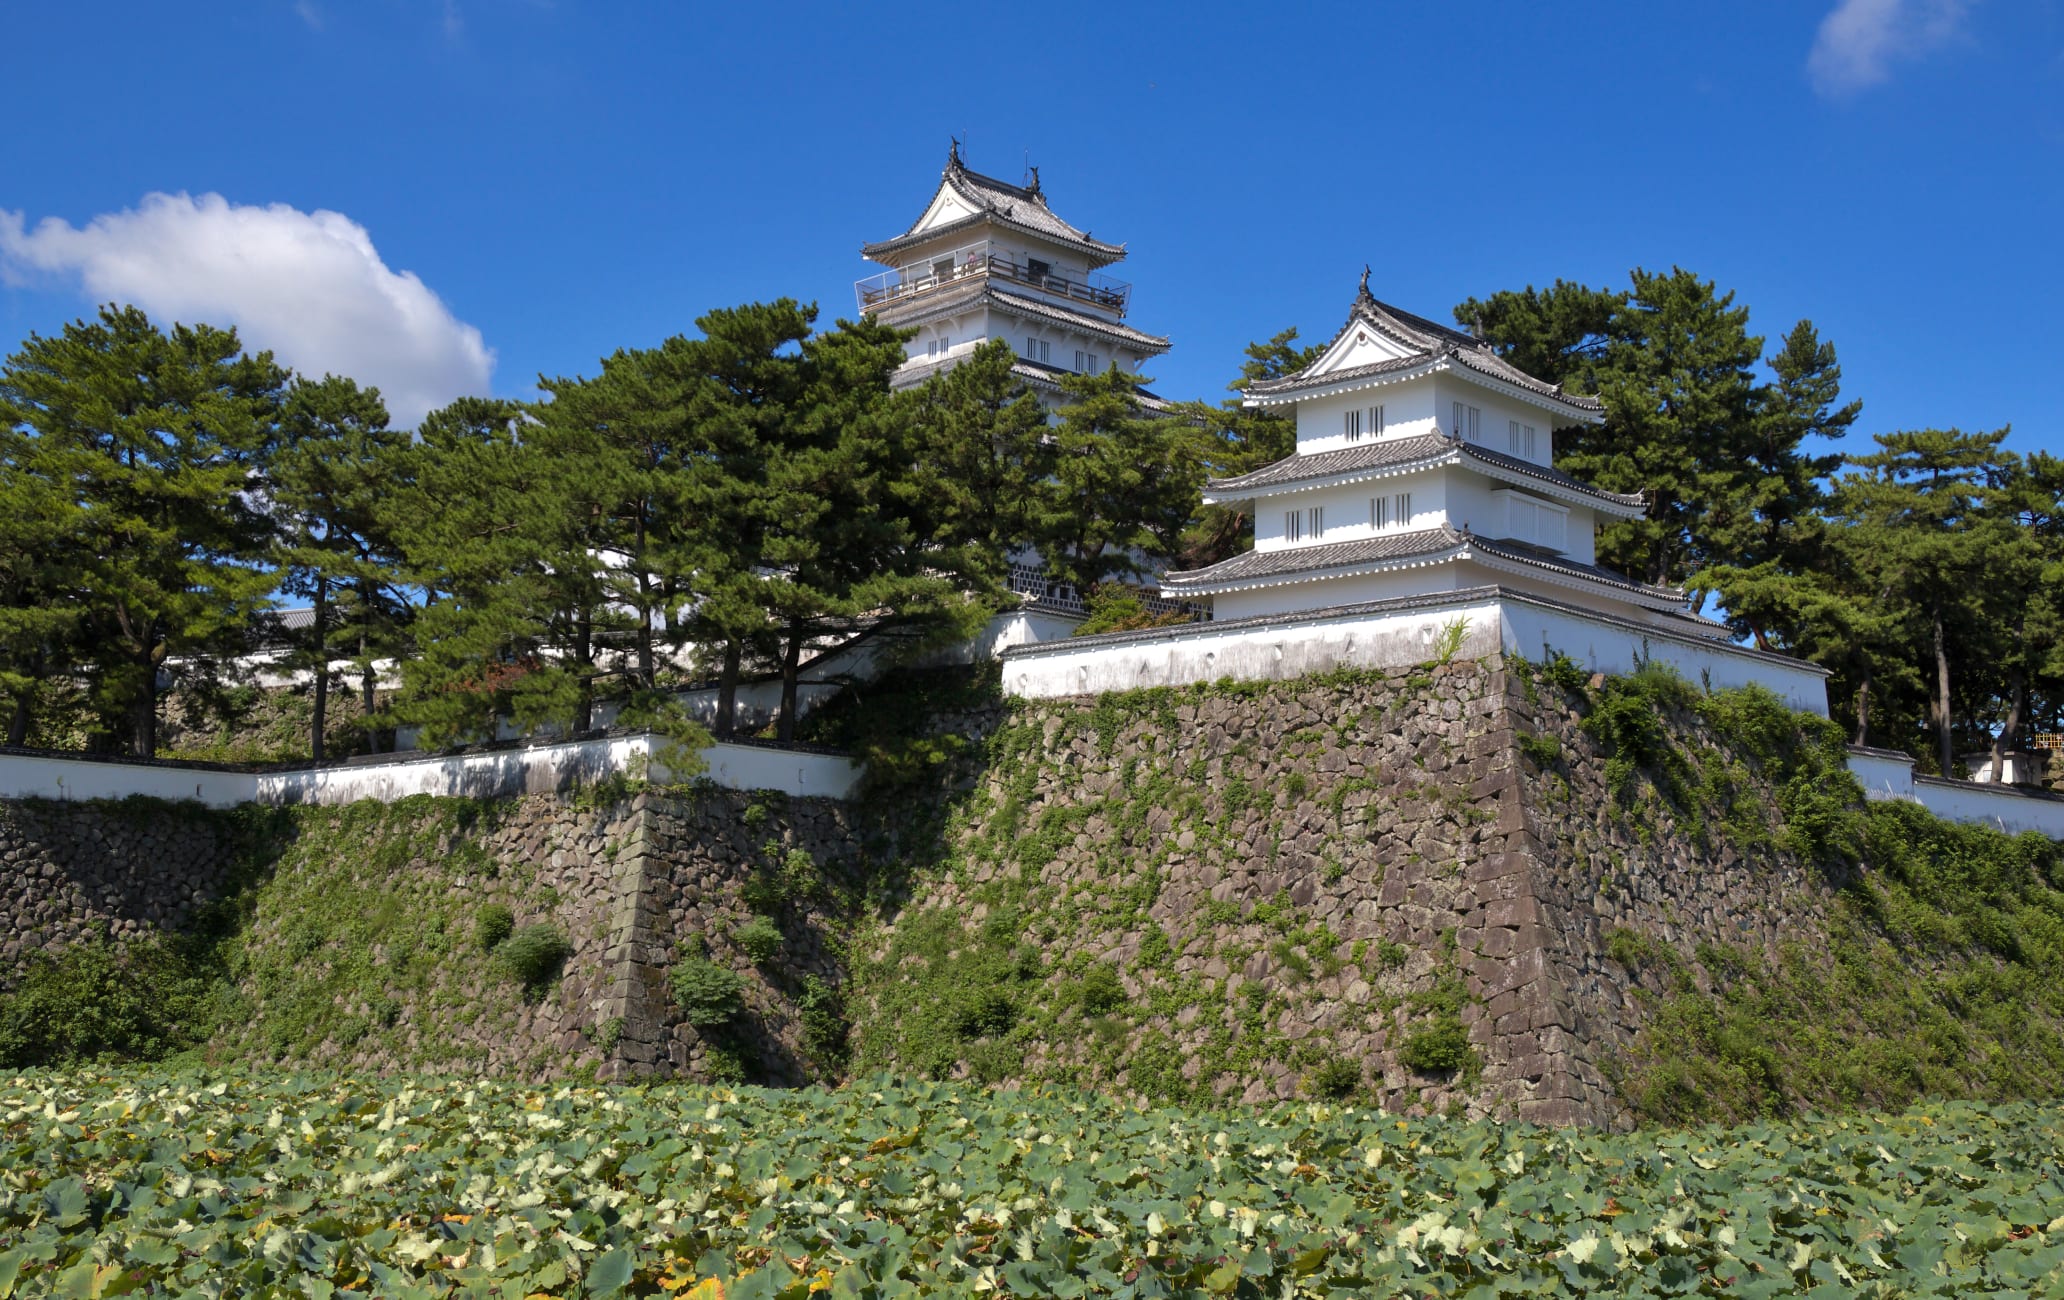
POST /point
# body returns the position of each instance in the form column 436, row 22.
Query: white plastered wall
column 529, row 769
column 1257, row 652
column 1498, row 411
column 1407, row 412
column 1347, row 509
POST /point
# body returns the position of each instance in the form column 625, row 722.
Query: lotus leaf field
column 190, row 1183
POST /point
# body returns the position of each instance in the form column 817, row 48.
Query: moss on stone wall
column 333, row 936
column 1484, row 887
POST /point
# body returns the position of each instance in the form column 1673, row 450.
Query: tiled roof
column 981, row 289
column 1548, row 474
column 1426, row 546
column 1012, row 205
column 1521, row 553
column 1426, row 543
column 1429, row 342
column 1397, row 454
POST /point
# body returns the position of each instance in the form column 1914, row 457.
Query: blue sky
column 518, row 186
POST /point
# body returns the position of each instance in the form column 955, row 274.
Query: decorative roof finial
column 953, row 151
column 1365, row 280
column 1032, row 188
column 1476, row 327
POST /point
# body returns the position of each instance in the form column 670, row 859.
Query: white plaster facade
column 1424, row 462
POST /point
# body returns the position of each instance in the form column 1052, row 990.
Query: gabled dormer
column 1391, row 374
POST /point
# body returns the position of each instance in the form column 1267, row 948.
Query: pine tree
column 742, row 378
column 1236, row 440
column 507, row 626
column 1768, row 522
column 2021, row 542
column 154, row 440
column 840, row 540
column 980, row 463
column 1918, row 510
column 1125, row 483
column 336, row 457
column 39, row 618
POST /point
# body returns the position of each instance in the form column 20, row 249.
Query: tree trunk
column 18, row 721
column 1943, row 738
column 2010, row 730
column 1863, row 702
column 791, row 662
column 368, row 684
column 319, row 712
column 648, row 677
column 584, row 663
column 143, row 710
column 727, row 690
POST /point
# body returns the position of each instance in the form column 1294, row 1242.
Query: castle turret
column 990, row 260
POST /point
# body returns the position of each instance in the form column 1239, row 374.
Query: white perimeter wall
column 533, row 769
column 1538, row 630
column 1891, row 776
column 1259, row 651
column 38, row 776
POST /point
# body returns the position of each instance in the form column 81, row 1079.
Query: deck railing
column 1046, row 592
column 947, row 269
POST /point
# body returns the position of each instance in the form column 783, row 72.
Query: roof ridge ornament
column 1363, row 290
column 953, row 162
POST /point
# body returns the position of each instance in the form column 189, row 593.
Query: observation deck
column 987, row 258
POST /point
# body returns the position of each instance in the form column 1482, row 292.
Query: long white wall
column 530, row 769
column 42, row 776
column 1251, row 650
column 1539, row 629
column 1885, row 774
column 1393, row 633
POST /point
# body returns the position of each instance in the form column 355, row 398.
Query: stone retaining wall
column 1280, row 876
column 71, row 873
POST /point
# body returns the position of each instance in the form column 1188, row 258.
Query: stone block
column 1511, row 913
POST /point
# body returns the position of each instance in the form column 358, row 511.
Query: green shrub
column 709, row 995
column 1567, row 674
column 1336, row 1080
column 533, row 956
column 759, row 939
column 1391, row 955
column 762, row 893
column 995, row 1060
column 1440, row 1047
column 984, row 1012
column 93, row 1004
column 826, row 1032
column 491, row 925
column 1101, row 991
column 1544, row 750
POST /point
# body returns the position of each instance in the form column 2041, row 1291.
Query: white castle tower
column 1425, row 463
column 990, row 260
column 1421, row 517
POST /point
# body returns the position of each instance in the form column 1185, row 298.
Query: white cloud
column 310, row 286
column 1860, row 41
column 310, row 13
